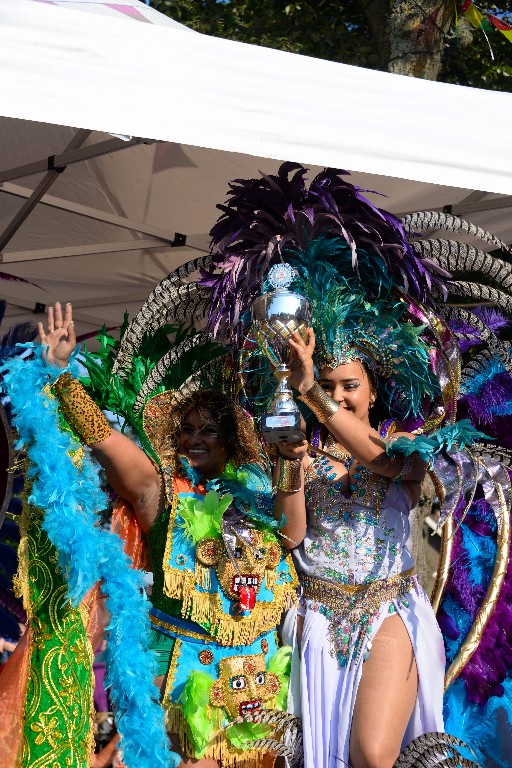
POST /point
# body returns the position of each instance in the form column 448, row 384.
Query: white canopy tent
column 96, row 219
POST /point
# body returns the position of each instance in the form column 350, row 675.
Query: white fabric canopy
column 218, row 110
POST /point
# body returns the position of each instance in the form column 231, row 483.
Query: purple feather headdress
column 263, row 218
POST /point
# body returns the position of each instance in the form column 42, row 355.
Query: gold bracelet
column 289, row 475
column 319, row 402
column 80, row 411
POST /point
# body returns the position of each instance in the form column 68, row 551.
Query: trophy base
column 285, row 426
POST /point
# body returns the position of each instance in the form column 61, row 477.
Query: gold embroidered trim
column 20, row 580
column 351, row 608
column 170, row 627
column 219, row 748
column 335, row 595
column 57, row 718
column 169, row 587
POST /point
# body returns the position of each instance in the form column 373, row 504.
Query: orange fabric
column 182, row 485
column 126, row 525
column 98, row 615
column 13, row 691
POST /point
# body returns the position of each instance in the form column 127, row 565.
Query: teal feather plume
column 326, row 262
column 451, row 437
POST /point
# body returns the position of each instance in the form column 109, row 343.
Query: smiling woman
column 220, row 579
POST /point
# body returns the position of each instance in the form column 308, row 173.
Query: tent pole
column 77, row 155
column 91, row 213
column 14, row 257
column 41, row 189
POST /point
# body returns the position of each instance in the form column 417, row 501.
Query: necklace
column 332, row 447
column 361, row 478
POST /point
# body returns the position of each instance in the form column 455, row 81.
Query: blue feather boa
column 70, row 497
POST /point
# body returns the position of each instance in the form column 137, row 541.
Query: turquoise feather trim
column 452, row 437
column 70, row 497
column 473, row 386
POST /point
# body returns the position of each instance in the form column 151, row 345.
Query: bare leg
column 385, row 698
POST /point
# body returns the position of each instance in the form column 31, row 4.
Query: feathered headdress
column 352, row 261
column 264, row 218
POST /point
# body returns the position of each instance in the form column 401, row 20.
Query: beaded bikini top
column 322, row 487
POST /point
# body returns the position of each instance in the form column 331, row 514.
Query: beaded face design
column 243, row 584
column 244, row 685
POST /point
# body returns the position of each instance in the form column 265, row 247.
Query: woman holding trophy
column 372, row 657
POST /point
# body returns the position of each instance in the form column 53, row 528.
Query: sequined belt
column 351, row 608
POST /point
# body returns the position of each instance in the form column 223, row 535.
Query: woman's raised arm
column 128, row 469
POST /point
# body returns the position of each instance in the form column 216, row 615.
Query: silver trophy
column 276, row 315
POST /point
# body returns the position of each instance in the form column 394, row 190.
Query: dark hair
column 235, row 426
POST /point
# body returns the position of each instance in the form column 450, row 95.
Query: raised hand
column 302, row 375
column 59, row 339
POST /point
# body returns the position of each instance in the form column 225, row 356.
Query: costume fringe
column 206, row 609
column 219, row 748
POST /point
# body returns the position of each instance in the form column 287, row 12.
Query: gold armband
column 80, row 411
column 289, row 475
column 320, row 403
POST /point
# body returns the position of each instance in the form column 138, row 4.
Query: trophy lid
column 281, row 275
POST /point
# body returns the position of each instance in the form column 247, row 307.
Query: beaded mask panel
column 242, row 579
column 244, row 685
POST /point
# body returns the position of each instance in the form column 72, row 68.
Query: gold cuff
column 319, row 402
column 80, row 411
column 289, row 475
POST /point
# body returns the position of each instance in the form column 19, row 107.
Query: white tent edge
column 235, row 97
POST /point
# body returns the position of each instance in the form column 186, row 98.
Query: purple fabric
column 101, row 703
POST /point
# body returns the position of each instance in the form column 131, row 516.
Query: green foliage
column 340, row 31
column 325, row 29
column 473, row 64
